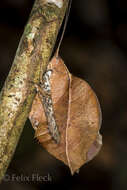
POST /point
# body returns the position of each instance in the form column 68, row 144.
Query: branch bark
column 30, row 62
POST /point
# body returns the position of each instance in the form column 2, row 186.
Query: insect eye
column 40, row 83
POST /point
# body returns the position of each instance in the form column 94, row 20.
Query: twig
column 30, row 62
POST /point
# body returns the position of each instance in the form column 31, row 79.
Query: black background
column 94, row 48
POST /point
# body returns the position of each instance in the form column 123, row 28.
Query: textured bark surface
column 30, row 62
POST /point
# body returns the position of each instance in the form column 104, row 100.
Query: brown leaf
column 77, row 114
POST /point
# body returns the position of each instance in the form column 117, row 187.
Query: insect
column 44, row 91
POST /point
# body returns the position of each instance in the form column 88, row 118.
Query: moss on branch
column 30, row 62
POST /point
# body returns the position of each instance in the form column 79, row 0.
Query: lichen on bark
column 30, row 62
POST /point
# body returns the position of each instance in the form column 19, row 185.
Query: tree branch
column 30, row 62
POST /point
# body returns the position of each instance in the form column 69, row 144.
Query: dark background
column 94, row 48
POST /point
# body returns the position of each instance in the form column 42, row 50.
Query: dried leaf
column 77, row 114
